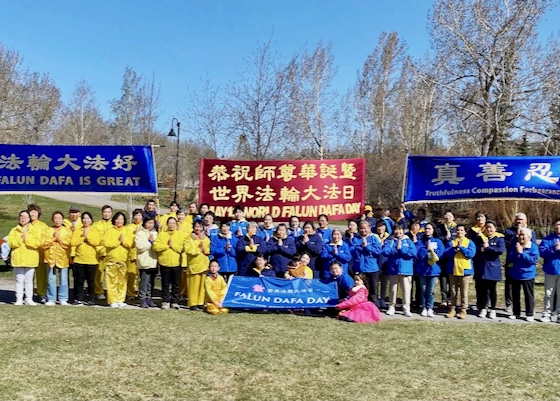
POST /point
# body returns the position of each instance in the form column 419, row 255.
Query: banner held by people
column 60, row 168
column 445, row 179
column 284, row 188
column 276, row 293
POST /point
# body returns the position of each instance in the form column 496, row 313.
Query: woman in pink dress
column 357, row 308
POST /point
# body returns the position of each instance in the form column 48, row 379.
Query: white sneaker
column 407, row 313
column 474, row 307
column 64, row 303
column 509, row 309
column 30, row 302
column 430, row 313
column 115, row 305
column 50, row 303
column 512, row 317
column 545, row 319
column 530, row 319
column 175, row 306
column 165, row 305
column 18, row 302
column 122, row 304
column 100, row 297
column 492, row 314
column 424, row 312
column 482, row 313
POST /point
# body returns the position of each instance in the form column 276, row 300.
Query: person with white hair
column 511, row 238
column 523, row 256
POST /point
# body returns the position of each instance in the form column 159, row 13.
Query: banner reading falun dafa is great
column 284, row 188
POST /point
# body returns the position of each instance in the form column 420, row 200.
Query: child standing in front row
column 216, row 289
column 357, row 308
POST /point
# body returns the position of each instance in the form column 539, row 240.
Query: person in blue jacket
column 294, row 229
column 260, row 267
column 335, row 251
column 367, row 249
column 460, row 269
column 248, row 247
column 267, row 229
column 382, row 234
column 311, row 243
column 281, row 249
column 523, row 255
column 400, row 252
column 428, row 268
column 222, row 248
column 447, row 232
column 550, row 252
column 488, row 268
column 350, row 237
column 343, row 281
column 238, row 225
column 323, row 229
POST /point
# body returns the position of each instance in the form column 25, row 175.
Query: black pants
column 417, row 291
column 507, row 290
column 373, row 283
column 444, row 286
column 486, row 291
column 83, row 273
column 170, row 276
column 529, row 292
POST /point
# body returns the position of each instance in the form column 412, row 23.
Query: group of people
column 194, row 256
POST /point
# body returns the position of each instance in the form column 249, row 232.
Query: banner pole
column 404, row 176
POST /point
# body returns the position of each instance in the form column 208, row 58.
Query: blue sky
column 181, row 41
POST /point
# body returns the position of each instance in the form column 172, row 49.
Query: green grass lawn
column 98, row 353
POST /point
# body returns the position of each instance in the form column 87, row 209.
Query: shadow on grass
column 7, row 296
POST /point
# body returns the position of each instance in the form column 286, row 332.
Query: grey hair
column 253, row 224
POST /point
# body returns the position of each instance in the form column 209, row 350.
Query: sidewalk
column 94, row 199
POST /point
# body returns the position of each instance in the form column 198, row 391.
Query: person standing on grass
column 147, row 261
column 238, row 225
column 215, row 290
column 295, row 230
column 197, row 248
column 447, row 233
column 184, row 225
column 549, row 250
column 400, row 252
column 56, row 243
column 323, row 228
column 85, row 240
column 248, row 247
column 132, row 265
column 524, row 256
column 150, row 210
column 210, row 228
column 366, row 250
column 267, row 229
column 311, row 243
column 101, row 226
column 117, row 242
column 382, row 235
column 24, row 241
column 335, row 250
column 460, row 269
column 428, row 268
column 173, row 209
column 488, row 269
column 41, row 270
column 170, row 245
column 281, row 249
column 222, row 249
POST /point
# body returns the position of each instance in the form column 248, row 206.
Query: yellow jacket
column 134, row 228
column 41, row 226
column 197, row 258
column 101, row 226
column 169, row 257
column 113, row 247
column 56, row 252
column 215, row 289
column 72, row 227
column 86, row 252
column 25, row 253
column 163, row 220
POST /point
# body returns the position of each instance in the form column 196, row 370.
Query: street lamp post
column 178, row 135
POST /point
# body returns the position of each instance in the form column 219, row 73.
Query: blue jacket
column 400, row 261
column 234, row 225
column 366, row 257
column 524, row 265
column 280, row 256
column 389, row 223
column 511, row 238
column 226, row 259
column 422, row 267
column 244, row 258
column 328, row 256
column 266, row 272
column 325, row 233
column 344, row 283
column 468, row 251
column 262, row 232
column 313, row 247
column 487, row 263
column 295, row 232
column 550, row 256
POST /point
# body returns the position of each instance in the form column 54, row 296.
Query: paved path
column 93, row 199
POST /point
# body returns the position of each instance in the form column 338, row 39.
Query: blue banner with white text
column 277, row 293
column 437, row 179
column 61, row 168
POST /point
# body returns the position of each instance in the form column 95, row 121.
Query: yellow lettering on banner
column 55, row 180
column 289, row 194
column 218, row 173
column 353, row 208
column 265, row 194
column 220, row 193
column 241, row 173
column 224, row 211
column 276, row 211
column 348, row 171
column 118, row 181
column 242, row 194
column 286, row 172
column 310, row 193
column 17, row 180
column 331, row 192
column 348, row 192
column 308, row 171
column 254, row 212
column 266, row 172
column 328, row 170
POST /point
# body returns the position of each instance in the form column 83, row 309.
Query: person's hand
column 251, row 241
column 280, row 242
column 364, row 241
column 399, row 245
column 56, row 236
column 267, row 238
column 335, row 248
column 430, row 247
column 121, row 238
column 557, row 245
column 219, row 305
column 239, row 231
column 351, row 235
column 228, row 246
column 519, row 248
column 170, row 243
column 86, row 232
column 305, row 238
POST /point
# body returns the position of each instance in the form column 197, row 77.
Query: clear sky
column 182, row 41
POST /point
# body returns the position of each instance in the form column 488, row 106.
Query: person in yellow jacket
column 197, row 248
column 117, row 242
column 216, row 288
column 132, row 265
column 85, row 240
column 24, row 241
column 186, row 228
column 169, row 245
column 101, row 226
column 173, row 209
column 56, row 242
column 41, row 270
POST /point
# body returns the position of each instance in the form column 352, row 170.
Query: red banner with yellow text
column 284, row 188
